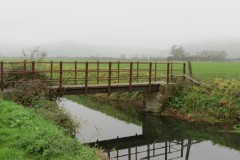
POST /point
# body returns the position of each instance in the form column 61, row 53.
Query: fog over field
column 112, row 28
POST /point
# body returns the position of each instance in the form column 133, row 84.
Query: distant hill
column 232, row 47
column 73, row 49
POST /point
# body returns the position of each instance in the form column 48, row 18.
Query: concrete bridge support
column 154, row 100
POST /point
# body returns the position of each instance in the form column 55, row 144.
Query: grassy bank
column 25, row 135
column 218, row 102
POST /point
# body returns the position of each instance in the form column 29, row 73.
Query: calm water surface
column 157, row 138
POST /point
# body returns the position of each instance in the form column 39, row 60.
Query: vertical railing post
column 2, row 76
column 118, row 71
column 109, row 77
column 171, row 73
column 130, row 76
column 98, row 72
column 155, row 71
column 150, row 77
column 168, row 68
column 24, row 70
column 184, row 70
column 60, row 76
column 75, row 73
column 182, row 148
column 166, row 152
column 86, row 78
column 190, row 69
column 33, row 70
column 137, row 70
column 51, row 70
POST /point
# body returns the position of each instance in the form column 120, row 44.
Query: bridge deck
column 105, row 88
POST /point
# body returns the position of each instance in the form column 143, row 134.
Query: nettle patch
column 221, row 100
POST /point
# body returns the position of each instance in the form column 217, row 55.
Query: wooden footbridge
column 92, row 77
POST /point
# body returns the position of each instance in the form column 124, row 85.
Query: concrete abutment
column 154, row 100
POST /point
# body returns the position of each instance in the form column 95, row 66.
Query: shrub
column 36, row 95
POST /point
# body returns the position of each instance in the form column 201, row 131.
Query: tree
column 35, row 54
column 178, row 52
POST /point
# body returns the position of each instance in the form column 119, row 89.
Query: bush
column 220, row 100
column 16, row 75
column 36, row 95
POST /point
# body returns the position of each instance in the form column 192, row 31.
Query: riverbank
column 217, row 103
column 26, row 135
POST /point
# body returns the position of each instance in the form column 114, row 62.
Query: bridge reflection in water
column 158, row 141
column 164, row 150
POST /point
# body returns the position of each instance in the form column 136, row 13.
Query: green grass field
column 211, row 70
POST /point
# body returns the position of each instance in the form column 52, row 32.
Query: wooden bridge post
column 150, row 77
column 190, row 69
column 51, row 70
column 130, row 76
column 109, row 77
column 184, row 70
column 118, row 71
column 137, row 70
column 2, row 76
column 33, row 70
column 155, row 71
column 168, row 66
column 75, row 73
column 86, row 79
column 98, row 72
column 60, row 76
column 24, row 70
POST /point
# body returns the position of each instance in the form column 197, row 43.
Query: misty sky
column 141, row 23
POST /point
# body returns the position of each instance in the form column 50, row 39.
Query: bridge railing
column 89, row 73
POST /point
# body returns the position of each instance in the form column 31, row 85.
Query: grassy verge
column 219, row 102
column 25, row 135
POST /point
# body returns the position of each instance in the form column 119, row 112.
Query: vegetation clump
column 35, row 94
column 220, row 101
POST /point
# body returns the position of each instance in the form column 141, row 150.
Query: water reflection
column 158, row 137
column 166, row 138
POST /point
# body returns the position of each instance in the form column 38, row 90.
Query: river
column 157, row 137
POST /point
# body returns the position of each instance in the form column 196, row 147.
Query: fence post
column 75, row 73
column 184, row 70
column 86, row 78
column 171, row 70
column 60, row 77
column 2, row 76
column 190, row 69
column 33, row 70
column 130, row 76
column 150, row 77
column 24, row 70
column 109, row 77
column 168, row 67
column 97, row 72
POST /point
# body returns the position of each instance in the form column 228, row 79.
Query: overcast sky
column 141, row 23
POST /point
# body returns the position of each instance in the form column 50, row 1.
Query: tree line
column 179, row 53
